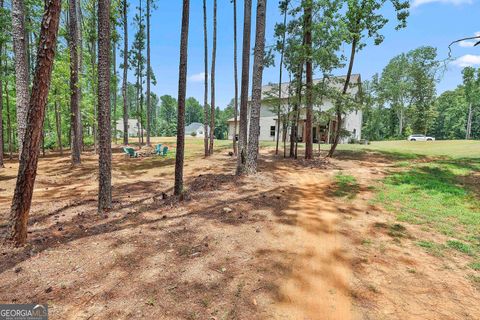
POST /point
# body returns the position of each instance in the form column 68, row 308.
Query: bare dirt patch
column 277, row 245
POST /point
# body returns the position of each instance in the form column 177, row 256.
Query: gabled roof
column 271, row 89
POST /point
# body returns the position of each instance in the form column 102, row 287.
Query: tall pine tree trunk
column 115, row 89
column 212, row 78
column 104, row 127
column 58, row 125
column 149, row 107
column 243, row 130
column 344, row 91
column 125, row 72
column 235, row 77
column 259, row 53
column 182, row 90
column 205, row 93
column 75, row 118
column 309, row 80
column 27, row 170
column 9, row 121
column 282, row 50
column 21, row 68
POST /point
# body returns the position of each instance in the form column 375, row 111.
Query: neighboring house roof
column 193, row 127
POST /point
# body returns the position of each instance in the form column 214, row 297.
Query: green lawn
column 439, row 193
column 450, row 148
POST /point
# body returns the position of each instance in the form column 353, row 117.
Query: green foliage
column 401, row 101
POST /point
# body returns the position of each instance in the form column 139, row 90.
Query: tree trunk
column 21, row 68
column 259, row 53
column 80, row 64
column 93, row 61
column 115, row 89
column 9, row 121
column 27, row 170
column 242, row 135
column 212, row 78
column 148, row 74
column 58, row 125
column 104, row 136
column 235, row 76
column 296, row 114
column 205, row 94
column 344, row 91
column 469, row 122
column 280, row 79
column 125, row 73
column 75, row 118
column 182, row 90
column 309, row 81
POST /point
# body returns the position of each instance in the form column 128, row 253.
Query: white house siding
column 133, row 127
column 353, row 123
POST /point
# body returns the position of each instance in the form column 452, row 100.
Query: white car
column 420, row 137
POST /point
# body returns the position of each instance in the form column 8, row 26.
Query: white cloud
column 198, row 77
column 466, row 43
column 417, row 3
column 467, row 60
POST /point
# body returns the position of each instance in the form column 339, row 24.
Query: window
column 272, row 131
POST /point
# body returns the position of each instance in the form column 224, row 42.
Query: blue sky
column 431, row 22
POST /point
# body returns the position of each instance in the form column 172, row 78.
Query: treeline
column 402, row 100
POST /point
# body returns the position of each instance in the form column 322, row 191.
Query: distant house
column 352, row 121
column 133, row 127
column 196, row 129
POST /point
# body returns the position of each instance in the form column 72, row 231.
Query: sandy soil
column 277, row 245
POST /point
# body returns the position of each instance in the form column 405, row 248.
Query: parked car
column 420, row 137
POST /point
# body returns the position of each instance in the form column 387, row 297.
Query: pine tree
column 104, row 127
column 182, row 90
column 27, row 170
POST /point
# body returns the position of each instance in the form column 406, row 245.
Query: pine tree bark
column 75, row 117
column 235, row 77
column 309, row 81
column 104, row 136
column 148, row 74
column 205, row 94
column 21, row 68
column 27, row 170
column 182, row 90
column 259, row 53
column 125, row 73
column 115, row 89
column 212, row 78
column 242, row 133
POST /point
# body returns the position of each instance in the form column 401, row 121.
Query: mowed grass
column 448, row 148
column 440, row 192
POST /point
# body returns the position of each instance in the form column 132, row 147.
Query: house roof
column 271, row 90
column 193, row 127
